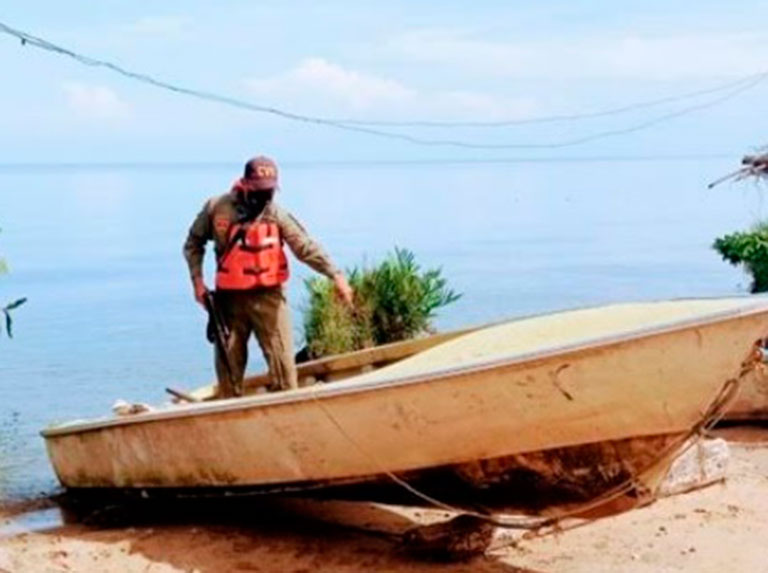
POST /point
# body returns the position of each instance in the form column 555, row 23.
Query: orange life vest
column 253, row 258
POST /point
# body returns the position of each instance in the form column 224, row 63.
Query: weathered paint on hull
column 638, row 384
column 524, row 482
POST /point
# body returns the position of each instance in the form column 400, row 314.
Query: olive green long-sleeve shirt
column 220, row 213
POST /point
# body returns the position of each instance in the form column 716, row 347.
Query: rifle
column 218, row 334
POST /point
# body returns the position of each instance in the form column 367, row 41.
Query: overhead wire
column 28, row 39
column 570, row 117
column 735, row 88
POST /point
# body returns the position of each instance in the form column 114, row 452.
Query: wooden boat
column 576, row 401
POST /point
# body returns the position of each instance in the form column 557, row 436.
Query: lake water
column 97, row 250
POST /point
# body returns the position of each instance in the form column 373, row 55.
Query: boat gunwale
column 345, row 387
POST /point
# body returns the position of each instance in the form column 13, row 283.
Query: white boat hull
column 651, row 374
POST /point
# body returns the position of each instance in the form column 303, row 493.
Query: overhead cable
column 572, row 117
column 37, row 42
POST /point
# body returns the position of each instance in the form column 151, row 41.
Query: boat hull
column 641, row 383
column 527, row 483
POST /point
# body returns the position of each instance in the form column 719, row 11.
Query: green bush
column 749, row 249
column 394, row 301
column 329, row 326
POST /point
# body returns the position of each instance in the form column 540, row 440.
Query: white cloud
column 316, row 83
column 325, row 79
column 95, row 101
column 599, row 56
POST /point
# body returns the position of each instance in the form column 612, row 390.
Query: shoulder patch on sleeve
column 221, row 224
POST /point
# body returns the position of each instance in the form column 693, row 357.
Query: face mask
column 255, row 201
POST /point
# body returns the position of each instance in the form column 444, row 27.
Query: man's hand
column 200, row 290
column 343, row 289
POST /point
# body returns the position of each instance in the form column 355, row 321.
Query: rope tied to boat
column 709, row 418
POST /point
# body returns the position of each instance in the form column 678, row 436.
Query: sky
column 392, row 61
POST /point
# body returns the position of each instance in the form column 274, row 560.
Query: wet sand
column 719, row 528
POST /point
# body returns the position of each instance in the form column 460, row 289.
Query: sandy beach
column 720, row 527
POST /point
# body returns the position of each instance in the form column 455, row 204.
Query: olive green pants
column 263, row 312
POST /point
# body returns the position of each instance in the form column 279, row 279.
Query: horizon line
column 315, row 163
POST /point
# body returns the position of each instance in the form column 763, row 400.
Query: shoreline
column 679, row 533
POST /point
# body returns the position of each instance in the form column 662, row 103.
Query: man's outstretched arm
column 311, row 253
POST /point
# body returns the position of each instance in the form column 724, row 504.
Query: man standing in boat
column 249, row 231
